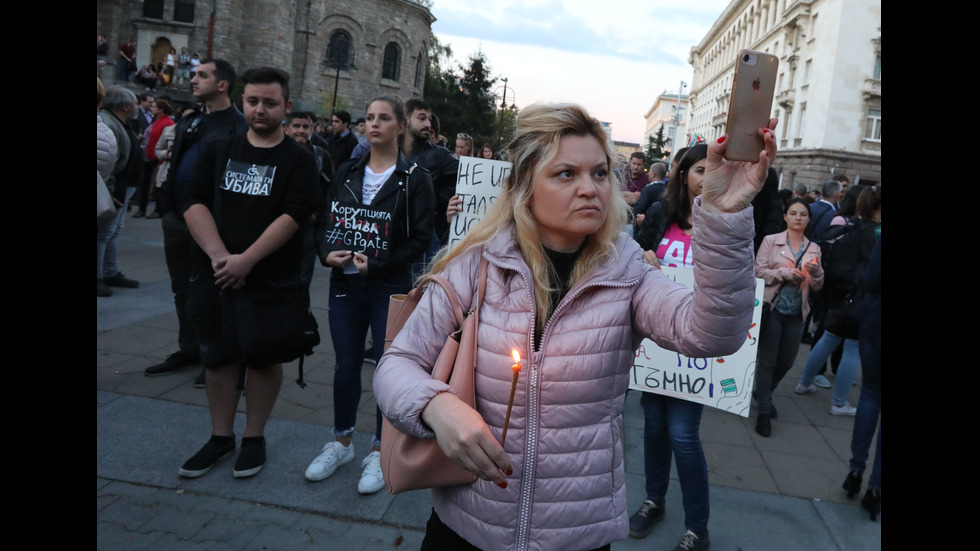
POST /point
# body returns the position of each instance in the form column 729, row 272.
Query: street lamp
column 339, row 58
column 675, row 119
column 503, row 106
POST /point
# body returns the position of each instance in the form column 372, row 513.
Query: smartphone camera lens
column 746, row 58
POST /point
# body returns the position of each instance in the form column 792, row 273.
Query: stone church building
column 351, row 50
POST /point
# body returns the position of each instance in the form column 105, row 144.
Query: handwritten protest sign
column 478, row 183
column 360, row 229
column 724, row 382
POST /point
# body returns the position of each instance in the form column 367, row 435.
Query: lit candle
column 513, row 388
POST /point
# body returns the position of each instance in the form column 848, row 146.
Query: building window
column 340, row 51
column 392, row 62
column 153, row 9
column 877, row 73
column 419, row 70
column 872, row 126
column 802, row 124
column 184, row 11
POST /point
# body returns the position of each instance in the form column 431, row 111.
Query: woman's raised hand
column 729, row 186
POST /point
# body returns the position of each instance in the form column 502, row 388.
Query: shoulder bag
column 410, row 463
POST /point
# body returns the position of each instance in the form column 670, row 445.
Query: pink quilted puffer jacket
column 567, row 491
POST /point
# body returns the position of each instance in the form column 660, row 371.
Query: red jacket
column 155, row 130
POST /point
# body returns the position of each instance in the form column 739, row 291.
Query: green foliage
column 462, row 96
column 655, row 148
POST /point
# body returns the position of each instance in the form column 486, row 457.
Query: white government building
column 828, row 90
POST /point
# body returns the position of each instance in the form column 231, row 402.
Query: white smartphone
column 750, row 105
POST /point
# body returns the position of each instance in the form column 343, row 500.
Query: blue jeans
column 867, row 416
column 779, row 342
column 847, row 371
column 107, row 256
column 672, row 425
column 356, row 304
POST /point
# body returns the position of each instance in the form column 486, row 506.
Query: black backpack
column 844, row 252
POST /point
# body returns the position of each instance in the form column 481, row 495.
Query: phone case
column 750, row 104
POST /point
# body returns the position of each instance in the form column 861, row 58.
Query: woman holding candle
column 790, row 265
column 572, row 294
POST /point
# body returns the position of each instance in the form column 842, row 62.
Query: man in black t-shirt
column 247, row 201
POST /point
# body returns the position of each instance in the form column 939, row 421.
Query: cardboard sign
column 478, row 183
column 725, row 383
column 358, row 228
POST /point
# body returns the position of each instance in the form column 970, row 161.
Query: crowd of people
column 245, row 193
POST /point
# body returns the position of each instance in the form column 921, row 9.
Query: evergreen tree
column 655, row 147
column 461, row 96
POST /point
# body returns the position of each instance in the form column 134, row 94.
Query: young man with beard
column 248, row 201
column 438, row 161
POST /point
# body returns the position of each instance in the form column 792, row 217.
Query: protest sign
column 478, row 183
column 360, row 229
column 725, row 383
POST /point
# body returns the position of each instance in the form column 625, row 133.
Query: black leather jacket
column 654, row 226
column 407, row 194
column 442, row 168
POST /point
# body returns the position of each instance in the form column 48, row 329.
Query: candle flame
column 517, row 357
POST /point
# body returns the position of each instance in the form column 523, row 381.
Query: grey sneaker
column 642, row 522
column 693, row 542
column 822, row 382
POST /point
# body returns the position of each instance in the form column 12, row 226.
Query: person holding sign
column 377, row 222
column 671, row 426
column 572, row 295
column 790, row 265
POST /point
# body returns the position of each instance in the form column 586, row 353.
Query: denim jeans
column 867, row 416
column 779, row 342
column 672, row 425
column 356, row 304
column 107, row 254
column 846, row 372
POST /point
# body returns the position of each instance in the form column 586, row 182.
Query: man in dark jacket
column 437, row 161
column 342, row 141
column 211, row 84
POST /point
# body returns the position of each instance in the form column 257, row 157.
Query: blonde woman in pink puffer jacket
column 573, row 295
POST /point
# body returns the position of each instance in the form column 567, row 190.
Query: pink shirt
column 675, row 248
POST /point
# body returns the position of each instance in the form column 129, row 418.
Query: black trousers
column 439, row 537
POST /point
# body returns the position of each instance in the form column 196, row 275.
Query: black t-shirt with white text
column 247, row 188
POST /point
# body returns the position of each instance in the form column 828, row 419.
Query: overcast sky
column 612, row 56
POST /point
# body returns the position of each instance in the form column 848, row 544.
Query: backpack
column 844, row 252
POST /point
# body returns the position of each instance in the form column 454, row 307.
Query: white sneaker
column 371, row 478
column 846, row 409
column 334, row 454
column 822, row 381
column 800, row 389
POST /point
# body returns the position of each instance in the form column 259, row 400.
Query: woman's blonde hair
column 540, row 128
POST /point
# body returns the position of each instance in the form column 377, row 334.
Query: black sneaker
column 252, row 457
column 369, row 356
column 102, row 290
column 642, row 522
column 177, row 360
column 217, row 448
column 693, row 542
column 199, row 382
column 119, row 280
